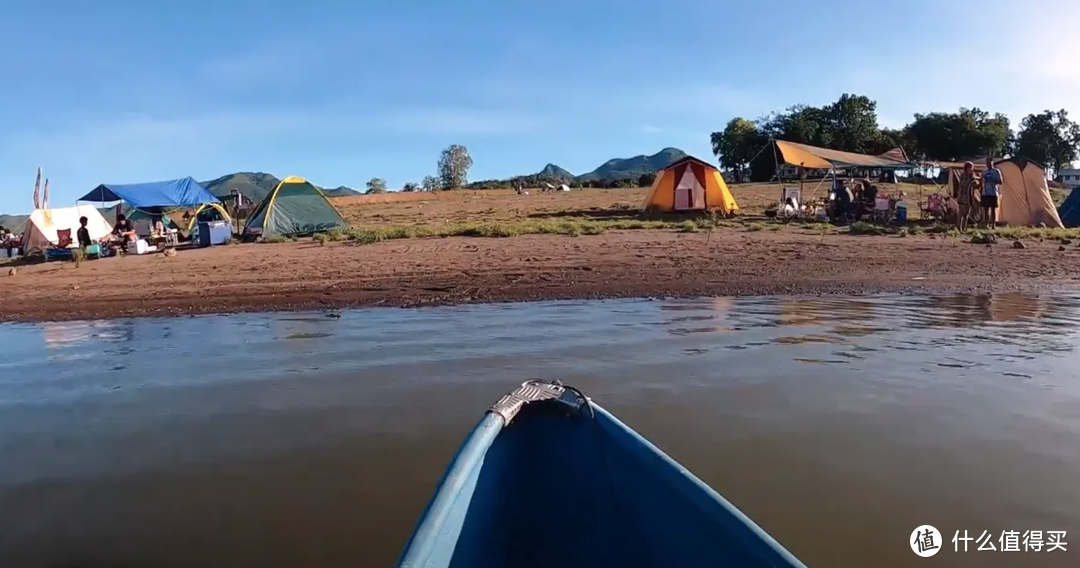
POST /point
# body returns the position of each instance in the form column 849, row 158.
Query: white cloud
column 650, row 129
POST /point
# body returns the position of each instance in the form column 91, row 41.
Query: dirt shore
column 305, row 275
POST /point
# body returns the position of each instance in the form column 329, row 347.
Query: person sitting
column 124, row 230
column 157, row 228
column 123, row 233
column 7, row 240
column 842, row 201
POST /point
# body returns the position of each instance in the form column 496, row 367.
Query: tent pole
column 776, row 161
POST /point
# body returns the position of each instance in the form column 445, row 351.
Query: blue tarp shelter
column 184, row 192
column 1070, row 209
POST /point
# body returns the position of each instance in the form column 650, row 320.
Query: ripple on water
column 957, row 407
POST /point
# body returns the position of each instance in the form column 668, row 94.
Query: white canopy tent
column 41, row 228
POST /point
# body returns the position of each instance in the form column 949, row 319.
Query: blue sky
column 340, row 92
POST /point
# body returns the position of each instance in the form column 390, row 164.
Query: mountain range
column 618, row 168
column 257, row 185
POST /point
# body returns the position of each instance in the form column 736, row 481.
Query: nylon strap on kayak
column 536, row 391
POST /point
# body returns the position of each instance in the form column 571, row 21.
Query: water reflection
column 316, row 439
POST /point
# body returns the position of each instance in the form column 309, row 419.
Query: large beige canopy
column 1025, row 196
column 816, row 158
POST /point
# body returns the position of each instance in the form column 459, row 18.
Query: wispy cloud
column 650, row 129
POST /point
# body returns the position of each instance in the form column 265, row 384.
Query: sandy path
column 460, row 270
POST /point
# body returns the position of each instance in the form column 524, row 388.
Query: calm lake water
column 839, row 425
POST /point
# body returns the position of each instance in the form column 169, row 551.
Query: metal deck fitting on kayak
column 550, row 479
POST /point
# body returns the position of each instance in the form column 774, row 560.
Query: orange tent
column 690, row 184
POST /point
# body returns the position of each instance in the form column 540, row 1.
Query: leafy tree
column 646, row 180
column 1049, row 138
column 454, row 167
column 889, row 138
column 410, row 187
column 800, row 123
column 375, row 185
column 968, row 133
column 429, row 183
column 740, row 141
column 850, row 123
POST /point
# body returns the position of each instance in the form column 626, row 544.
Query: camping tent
column 184, row 192
column 294, row 207
column 41, row 228
column 1025, row 197
column 1069, row 212
column 689, row 184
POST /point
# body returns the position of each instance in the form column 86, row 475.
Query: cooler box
column 140, row 247
column 214, row 233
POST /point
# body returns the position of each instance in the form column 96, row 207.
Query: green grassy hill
column 633, row 168
column 257, row 185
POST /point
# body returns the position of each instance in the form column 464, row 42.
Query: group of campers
column 854, row 199
column 989, row 187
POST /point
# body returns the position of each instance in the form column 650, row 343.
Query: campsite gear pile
column 294, row 207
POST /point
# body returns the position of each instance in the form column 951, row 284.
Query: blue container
column 214, row 233
column 901, row 214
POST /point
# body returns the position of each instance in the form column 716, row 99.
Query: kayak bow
column 550, row 479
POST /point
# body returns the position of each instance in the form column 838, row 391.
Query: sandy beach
column 417, row 272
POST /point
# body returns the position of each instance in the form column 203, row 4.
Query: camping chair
column 142, row 227
column 61, row 251
column 934, row 208
column 882, row 210
column 63, row 238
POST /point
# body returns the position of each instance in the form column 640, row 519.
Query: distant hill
column 253, row 185
column 341, row 191
column 632, row 168
column 617, row 172
column 553, row 172
column 14, row 222
column 257, row 185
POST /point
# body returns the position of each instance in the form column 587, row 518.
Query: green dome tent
column 294, row 207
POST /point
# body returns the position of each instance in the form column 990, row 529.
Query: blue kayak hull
column 550, row 479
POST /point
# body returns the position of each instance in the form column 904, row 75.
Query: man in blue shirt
column 991, row 192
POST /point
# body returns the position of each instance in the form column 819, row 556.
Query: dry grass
column 504, row 213
column 500, row 206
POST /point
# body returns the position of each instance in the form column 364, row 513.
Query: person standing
column 964, row 194
column 991, row 192
column 83, row 234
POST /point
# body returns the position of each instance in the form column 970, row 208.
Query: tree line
column 452, row 173
column 850, row 124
